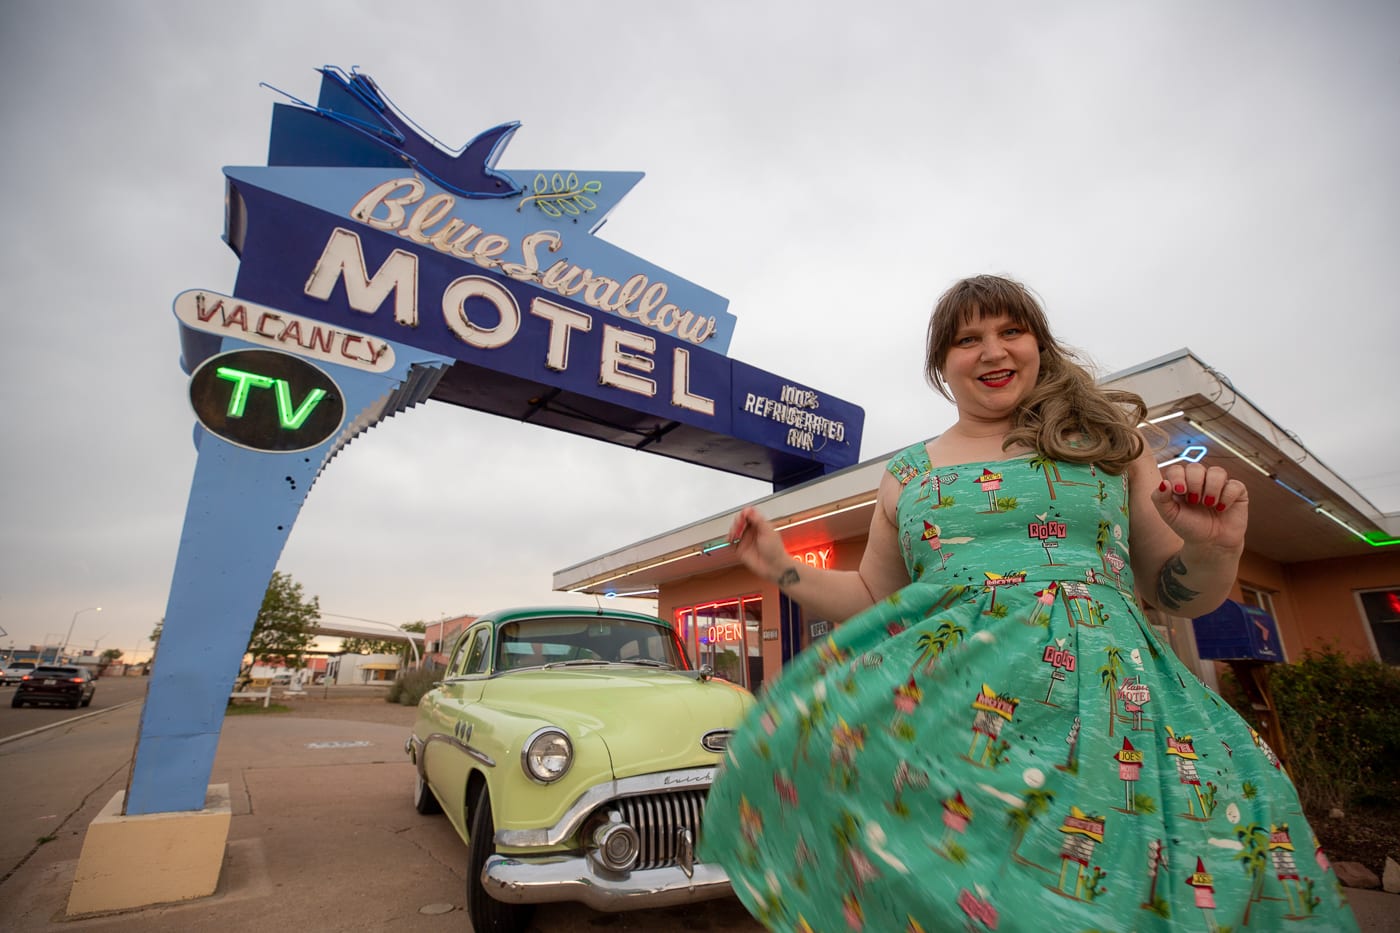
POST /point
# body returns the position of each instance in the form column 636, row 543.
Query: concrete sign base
column 139, row 861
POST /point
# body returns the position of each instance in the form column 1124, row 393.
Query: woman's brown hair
column 1067, row 415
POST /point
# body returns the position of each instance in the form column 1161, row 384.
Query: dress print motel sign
column 378, row 270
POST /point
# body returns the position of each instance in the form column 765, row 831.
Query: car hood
column 649, row 720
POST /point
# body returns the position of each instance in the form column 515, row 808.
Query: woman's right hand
column 758, row 545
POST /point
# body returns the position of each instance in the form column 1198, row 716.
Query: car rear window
column 57, row 672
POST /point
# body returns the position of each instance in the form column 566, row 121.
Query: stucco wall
column 1322, row 596
column 737, row 581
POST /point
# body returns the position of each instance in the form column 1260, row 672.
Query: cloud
column 1192, row 175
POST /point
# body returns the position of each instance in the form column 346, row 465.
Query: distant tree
column 285, row 625
column 106, row 659
column 156, row 633
column 372, row 646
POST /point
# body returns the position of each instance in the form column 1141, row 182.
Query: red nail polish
column 1210, row 500
column 1220, row 507
column 1193, row 498
column 1179, row 489
column 1163, row 487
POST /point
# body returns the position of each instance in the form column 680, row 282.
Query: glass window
column 727, row 637
column 685, row 630
column 753, row 631
column 459, row 654
column 1262, row 599
column 477, row 655
column 1381, row 609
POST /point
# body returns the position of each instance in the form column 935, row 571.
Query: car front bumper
column 546, row 879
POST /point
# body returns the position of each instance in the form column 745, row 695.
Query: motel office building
column 1320, row 559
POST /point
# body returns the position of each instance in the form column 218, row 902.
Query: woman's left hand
column 1203, row 505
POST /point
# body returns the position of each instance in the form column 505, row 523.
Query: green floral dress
column 1005, row 744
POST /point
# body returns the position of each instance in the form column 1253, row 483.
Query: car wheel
column 487, row 914
column 75, row 703
column 423, row 800
column 87, row 701
column 16, row 702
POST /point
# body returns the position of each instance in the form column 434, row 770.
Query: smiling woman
column 1021, row 692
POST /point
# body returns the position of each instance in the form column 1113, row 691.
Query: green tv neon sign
column 291, row 418
column 266, row 400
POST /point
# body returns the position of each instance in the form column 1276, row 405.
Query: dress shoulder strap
column 909, row 463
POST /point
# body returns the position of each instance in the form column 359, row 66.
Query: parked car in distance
column 13, row 671
column 61, row 684
column 572, row 751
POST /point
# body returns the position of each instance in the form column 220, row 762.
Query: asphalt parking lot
column 324, row 835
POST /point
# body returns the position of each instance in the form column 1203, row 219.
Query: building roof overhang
column 1300, row 509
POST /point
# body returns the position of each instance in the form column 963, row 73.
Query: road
column 111, row 691
column 323, row 837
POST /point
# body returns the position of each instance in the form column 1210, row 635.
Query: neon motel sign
column 378, row 270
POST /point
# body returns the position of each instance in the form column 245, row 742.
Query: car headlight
column 547, row 755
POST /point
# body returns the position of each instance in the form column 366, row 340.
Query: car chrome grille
column 658, row 819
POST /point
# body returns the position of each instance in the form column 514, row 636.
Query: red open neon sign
column 724, row 631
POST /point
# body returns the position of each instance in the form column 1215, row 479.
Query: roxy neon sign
column 819, row 557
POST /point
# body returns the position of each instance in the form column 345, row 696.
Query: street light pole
column 75, row 622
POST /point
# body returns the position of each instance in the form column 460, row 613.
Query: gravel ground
column 354, row 708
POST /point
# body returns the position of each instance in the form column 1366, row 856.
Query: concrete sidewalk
column 324, row 838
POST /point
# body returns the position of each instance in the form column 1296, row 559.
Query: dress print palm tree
column 1046, row 465
column 1156, row 866
column 933, row 644
column 1111, row 671
column 1255, row 855
column 810, row 718
column 1021, row 818
column 1101, row 544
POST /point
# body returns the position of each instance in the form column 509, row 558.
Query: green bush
column 409, row 688
column 1340, row 727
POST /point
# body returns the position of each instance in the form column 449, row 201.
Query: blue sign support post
column 242, row 506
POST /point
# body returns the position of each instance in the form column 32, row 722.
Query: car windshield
column 586, row 640
column 57, row 672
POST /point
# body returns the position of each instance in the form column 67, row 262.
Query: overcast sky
column 1215, row 175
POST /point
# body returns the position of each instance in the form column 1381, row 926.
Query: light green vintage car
column 573, row 749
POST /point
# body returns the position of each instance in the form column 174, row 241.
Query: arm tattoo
column 788, row 578
column 1171, row 592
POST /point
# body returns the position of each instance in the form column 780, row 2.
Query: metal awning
column 1300, row 510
